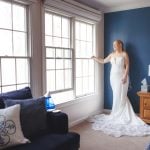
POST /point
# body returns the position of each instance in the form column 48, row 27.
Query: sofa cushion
column 57, row 122
column 10, row 128
column 33, row 115
column 69, row 141
column 23, row 93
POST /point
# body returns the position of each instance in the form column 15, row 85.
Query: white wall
column 79, row 109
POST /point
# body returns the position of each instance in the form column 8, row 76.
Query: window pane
column 56, row 26
column 89, row 33
column 83, row 49
column 59, row 53
column 20, row 86
column 65, row 27
column 59, row 79
column 63, row 96
column 89, row 49
column 19, row 18
column 79, row 68
column 59, row 63
column 56, row 42
column 50, row 64
column 91, row 84
column 48, row 41
column 51, row 80
column 22, row 71
column 83, row 31
column 19, row 43
column 65, row 43
column 48, row 24
column 78, row 49
column 67, row 54
column 8, row 88
column 85, row 85
column 5, row 15
column 68, row 63
column 68, row 78
column 78, row 86
column 8, row 71
column 85, row 68
column 50, row 52
column 77, row 30
column 5, row 43
column 91, row 67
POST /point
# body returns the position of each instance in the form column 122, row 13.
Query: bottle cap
column 47, row 94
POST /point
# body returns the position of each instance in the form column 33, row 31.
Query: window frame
column 93, row 50
column 46, row 10
column 72, row 45
column 27, row 55
column 61, row 90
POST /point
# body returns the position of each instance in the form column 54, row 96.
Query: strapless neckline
column 116, row 57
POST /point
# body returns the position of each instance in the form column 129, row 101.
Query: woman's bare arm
column 126, row 64
column 126, row 67
column 101, row 60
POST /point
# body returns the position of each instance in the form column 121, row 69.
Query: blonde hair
column 120, row 42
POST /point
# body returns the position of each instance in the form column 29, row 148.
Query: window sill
column 74, row 101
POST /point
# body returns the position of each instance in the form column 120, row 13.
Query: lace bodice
column 117, row 64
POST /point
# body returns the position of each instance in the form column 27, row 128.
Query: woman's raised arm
column 101, row 60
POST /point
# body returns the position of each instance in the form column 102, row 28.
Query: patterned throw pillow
column 32, row 116
column 10, row 128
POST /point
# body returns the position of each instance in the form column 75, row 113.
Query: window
column 63, row 68
column 58, row 53
column 14, row 51
column 84, row 65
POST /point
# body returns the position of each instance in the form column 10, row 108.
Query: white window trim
column 72, row 38
column 65, row 89
column 26, row 2
column 93, row 47
column 71, row 11
column 28, row 57
column 75, row 9
column 44, row 10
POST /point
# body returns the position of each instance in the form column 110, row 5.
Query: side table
column 144, row 106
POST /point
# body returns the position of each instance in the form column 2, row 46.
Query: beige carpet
column 96, row 140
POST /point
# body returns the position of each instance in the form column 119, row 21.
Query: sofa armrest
column 57, row 122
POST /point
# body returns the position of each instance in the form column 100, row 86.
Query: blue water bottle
column 50, row 106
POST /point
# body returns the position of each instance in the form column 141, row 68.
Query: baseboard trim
column 106, row 111
column 78, row 121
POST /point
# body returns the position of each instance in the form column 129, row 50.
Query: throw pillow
column 23, row 93
column 10, row 129
column 33, row 115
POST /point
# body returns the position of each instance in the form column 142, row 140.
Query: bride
column 122, row 119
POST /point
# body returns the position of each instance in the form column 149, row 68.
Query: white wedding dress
column 122, row 120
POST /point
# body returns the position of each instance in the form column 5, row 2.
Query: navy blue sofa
column 55, row 137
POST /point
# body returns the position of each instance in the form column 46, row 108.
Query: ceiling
column 114, row 5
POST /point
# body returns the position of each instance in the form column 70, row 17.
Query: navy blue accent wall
column 133, row 28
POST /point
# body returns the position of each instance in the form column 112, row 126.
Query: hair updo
column 120, row 42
